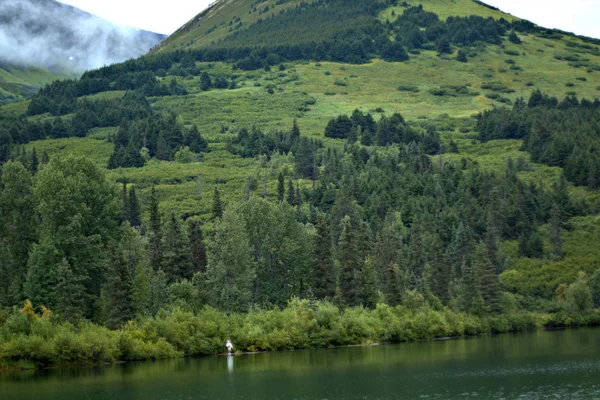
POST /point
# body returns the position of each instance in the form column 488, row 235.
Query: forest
column 382, row 229
column 379, row 230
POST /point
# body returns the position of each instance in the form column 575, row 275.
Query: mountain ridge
column 44, row 40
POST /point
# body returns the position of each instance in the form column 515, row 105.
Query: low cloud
column 49, row 34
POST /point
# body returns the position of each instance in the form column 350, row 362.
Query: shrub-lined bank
column 31, row 341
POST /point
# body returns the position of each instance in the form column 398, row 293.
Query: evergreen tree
column 118, row 291
column 291, row 194
column 514, row 38
column 295, row 131
column 176, row 262
column 595, row 287
column 156, row 241
column 306, row 159
column 439, row 273
column 461, row 56
column 370, row 295
column 494, row 228
column 197, row 246
column 205, row 82
column 163, row 152
column 349, row 265
column 35, row 163
column 135, row 209
column 469, row 295
column 125, row 204
column 444, row 46
column 70, row 304
column 280, row 187
column 555, row 234
column 489, row 283
column 324, row 272
column 6, row 145
column 417, row 260
column 141, row 291
column 393, row 290
column 217, row 206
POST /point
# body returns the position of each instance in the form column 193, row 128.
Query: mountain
column 440, row 155
column 42, row 40
column 18, row 83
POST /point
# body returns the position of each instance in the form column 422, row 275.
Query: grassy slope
column 198, row 32
column 17, row 82
column 313, row 93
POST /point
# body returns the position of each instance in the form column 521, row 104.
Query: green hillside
column 438, row 156
column 20, row 83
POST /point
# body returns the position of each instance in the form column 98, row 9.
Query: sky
column 166, row 16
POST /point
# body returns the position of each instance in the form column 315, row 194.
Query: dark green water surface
column 539, row 365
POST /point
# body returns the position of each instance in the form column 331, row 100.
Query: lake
column 562, row 364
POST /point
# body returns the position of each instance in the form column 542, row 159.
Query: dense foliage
column 386, row 237
column 30, row 340
column 564, row 134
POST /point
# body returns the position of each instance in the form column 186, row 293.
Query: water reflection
column 230, row 363
column 562, row 364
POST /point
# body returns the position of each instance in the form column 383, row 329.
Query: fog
column 53, row 35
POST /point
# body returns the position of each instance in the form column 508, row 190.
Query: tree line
column 557, row 133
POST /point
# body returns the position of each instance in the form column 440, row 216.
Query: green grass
column 16, row 83
column 214, row 25
column 536, row 277
column 447, row 8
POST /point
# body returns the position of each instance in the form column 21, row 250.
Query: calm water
column 540, row 365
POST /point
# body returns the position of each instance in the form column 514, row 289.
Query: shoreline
column 18, row 369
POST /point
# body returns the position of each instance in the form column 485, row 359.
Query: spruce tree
column 163, row 152
column 392, row 287
column 291, row 194
column 595, row 287
column 324, row 285
column 514, row 38
column 280, row 187
column 494, row 228
column 156, row 242
column 469, row 295
column 197, row 246
column 349, row 265
column 35, row 163
column 217, row 206
column 444, row 46
column 141, row 290
column 370, row 295
column 417, row 259
column 295, row 130
column 70, row 304
column 118, row 291
column 124, row 204
column 489, row 283
column 205, row 82
column 135, row 209
column 439, row 273
column 555, row 233
column 176, row 261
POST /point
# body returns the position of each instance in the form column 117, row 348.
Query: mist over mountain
column 53, row 35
